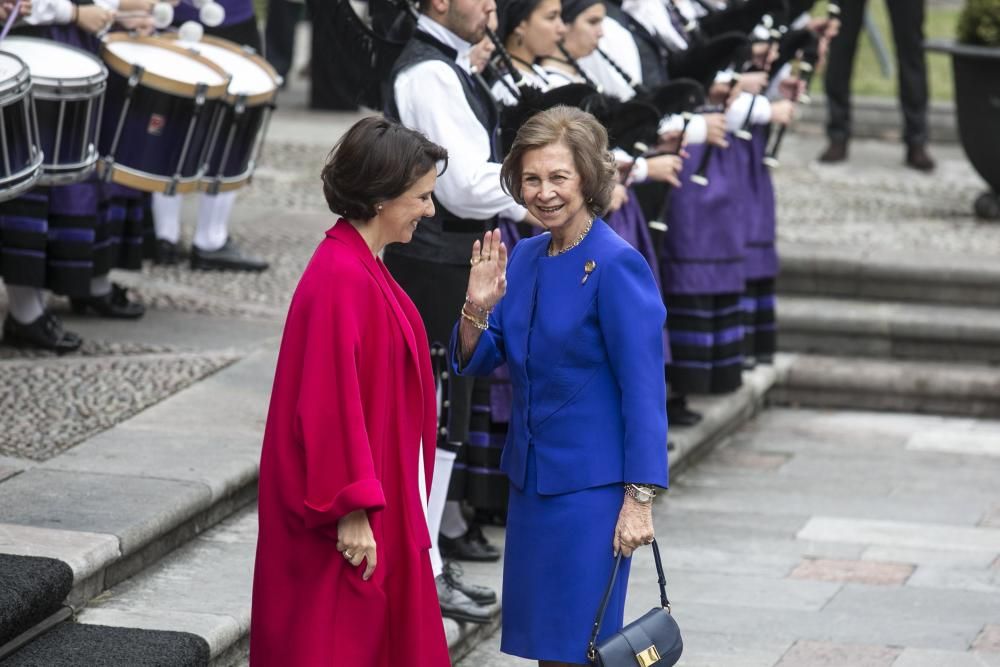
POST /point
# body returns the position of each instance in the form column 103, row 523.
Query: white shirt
column 48, row 12
column 501, row 89
column 620, row 46
column 653, row 16
column 430, row 99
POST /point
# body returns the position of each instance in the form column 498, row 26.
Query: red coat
column 353, row 398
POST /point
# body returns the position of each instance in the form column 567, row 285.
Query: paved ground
column 840, row 539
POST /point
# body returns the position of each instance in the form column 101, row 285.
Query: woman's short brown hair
column 376, row 160
column 586, row 139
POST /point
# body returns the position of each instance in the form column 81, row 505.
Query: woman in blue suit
column 578, row 319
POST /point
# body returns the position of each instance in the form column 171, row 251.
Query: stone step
column 201, row 592
column 115, row 504
column 887, row 329
column 946, row 388
column 897, row 275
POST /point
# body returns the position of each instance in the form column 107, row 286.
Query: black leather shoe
column 481, row 595
column 166, row 253
column 45, row 333
column 226, row 258
column 918, row 158
column 835, row 152
column 467, row 548
column 457, row 605
column 113, row 305
column 678, row 413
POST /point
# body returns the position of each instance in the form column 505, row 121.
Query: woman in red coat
column 343, row 577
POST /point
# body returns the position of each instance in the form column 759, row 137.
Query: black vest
column 444, row 238
column 652, row 53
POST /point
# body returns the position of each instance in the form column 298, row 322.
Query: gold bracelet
column 482, row 325
column 485, row 311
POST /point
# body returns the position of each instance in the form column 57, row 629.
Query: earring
column 378, row 207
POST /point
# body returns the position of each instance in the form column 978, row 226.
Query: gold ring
column 348, row 555
column 475, row 260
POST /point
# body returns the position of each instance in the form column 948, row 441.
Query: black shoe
column 466, row 548
column 166, row 253
column 457, row 605
column 226, row 258
column 835, row 152
column 113, row 305
column 918, row 158
column 678, row 413
column 475, row 534
column 481, row 595
column 45, row 332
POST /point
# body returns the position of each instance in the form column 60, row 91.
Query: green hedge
column 979, row 23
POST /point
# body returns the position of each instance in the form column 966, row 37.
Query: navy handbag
column 654, row 640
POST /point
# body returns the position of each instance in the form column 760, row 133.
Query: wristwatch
column 641, row 493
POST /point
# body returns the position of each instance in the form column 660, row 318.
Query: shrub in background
column 979, row 23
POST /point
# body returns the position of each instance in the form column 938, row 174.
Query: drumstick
column 10, row 20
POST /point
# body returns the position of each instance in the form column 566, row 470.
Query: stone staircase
column 889, row 331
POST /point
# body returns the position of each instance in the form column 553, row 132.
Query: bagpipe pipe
column 802, row 48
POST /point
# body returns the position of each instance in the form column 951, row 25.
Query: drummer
column 212, row 247
column 57, row 234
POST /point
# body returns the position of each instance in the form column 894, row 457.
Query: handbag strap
column 664, row 602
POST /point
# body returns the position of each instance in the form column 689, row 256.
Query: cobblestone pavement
column 824, row 538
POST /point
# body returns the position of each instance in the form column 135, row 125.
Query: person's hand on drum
column 137, row 6
column 93, row 18
column 488, row 276
column 142, row 25
column 7, row 6
column 356, row 542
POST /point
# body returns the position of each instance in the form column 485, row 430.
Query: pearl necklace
column 590, row 223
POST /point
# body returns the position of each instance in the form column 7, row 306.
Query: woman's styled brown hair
column 375, row 161
column 586, row 139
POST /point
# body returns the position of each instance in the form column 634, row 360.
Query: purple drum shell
column 154, row 130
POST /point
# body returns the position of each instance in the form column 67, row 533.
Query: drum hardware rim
column 143, row 180
column 252, row 100
column 21, row 80
column 156, row 81
column 36, row 165
column 88, row 162
column 218, row 184
column 46, row 93
column 102, row 75
column 67, row 178
column 18, row 189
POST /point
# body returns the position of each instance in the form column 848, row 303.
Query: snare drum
column 245, row 115
column 68, row 86
column 20, row 154
column 161, row 106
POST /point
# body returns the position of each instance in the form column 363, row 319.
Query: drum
column 160, row 109
column 67, row 85
column 246, row 112
column 20, row 154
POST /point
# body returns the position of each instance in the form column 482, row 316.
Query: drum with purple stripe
column 245, row 115
column 20, row 154
column 162, row 104
column 67, row 85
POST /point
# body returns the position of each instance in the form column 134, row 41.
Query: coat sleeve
column 339, row 469
column 631, row 315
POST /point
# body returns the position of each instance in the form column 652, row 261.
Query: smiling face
column 586, row 31
column 551, row 187
column 542, row 31
column 398, row 218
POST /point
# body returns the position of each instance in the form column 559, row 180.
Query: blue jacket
column 586, row 364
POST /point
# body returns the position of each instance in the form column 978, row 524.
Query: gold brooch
column 588, row 268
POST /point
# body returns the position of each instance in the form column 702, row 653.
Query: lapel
column 346, row 234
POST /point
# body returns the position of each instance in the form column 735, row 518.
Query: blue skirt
column 557, row 561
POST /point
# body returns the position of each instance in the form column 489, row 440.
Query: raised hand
column 488, row 276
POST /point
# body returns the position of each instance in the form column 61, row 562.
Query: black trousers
column 907, row 17
column 279, row 34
